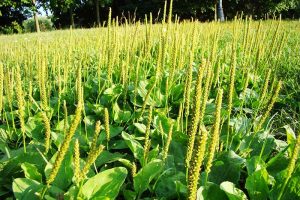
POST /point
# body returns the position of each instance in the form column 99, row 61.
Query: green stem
column 228, row 130
column 44, row 191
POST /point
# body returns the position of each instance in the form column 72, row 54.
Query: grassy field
column 152, row 111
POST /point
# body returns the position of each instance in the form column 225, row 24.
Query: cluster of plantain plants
column 176, row 110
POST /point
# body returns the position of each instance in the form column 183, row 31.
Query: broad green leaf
column 280, row 145
column 153, row 153
column 12, row 167
column 55, row 192
column 211, row 191
column 111, row 94
column 292, row 189
column 47, row 197
column 177, row 151
column 177, row 93
column 118, row 144
column 114, row 131
column 142, row 91
column 25, row 188
column 35, row 127
column 227, row 167
column 254, row 164
column 125, row 162
column 57, row 138
column 71, row 193
column 232, row 192
column 249, row 96
column 89, row 120
column 60, row 126
column 124, row 116
column 140, row 127
column 107, row 157
column 257, row 185
column 165, row 122
column 240, row 124
column 166, row 185
column 136, row 148
column 181, row 189
column 129, row 195
column 278, row 162
column 120, row 115
column 146, row 175
column 31, row 171
column 105, row 185
column 290, row 138
column 116, row 109
column 65, row 173
column 262, row 141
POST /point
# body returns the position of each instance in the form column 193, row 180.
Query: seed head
column 168, row 142
column 195, row 167
column 93, row 155
column 96, row 134
column 216, row 131
column 196, row 117
column 47, row 126
column 66, row 143
column 106, row 121
column 147, row 135
column 76, row 162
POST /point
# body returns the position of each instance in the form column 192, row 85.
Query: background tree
column 35, row 16
column 101, row 3
column 62, row 9
column 12, row 15
column 220, row 11
column 78, row 12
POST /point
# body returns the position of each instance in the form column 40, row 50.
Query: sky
column 42, row 12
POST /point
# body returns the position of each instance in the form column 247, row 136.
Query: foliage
column 45, row 25
column 106, row 112
column 14, row 27
column 65, row 13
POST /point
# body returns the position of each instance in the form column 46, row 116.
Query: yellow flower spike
column 47, row 126
column 265, row 87
column 168, row 142
column 93, row 155
column 1, row 87
column 215, row 132
column 21, row 102
column 66, row 123
column 196, row 117
column 147, row 136
column 194, row 171
column 43, row 90
column 106, row 125
column 96, row 134
column 133, row 169
column 69, row 135
column 76, row 161
column 65, row 145
column 270, row 106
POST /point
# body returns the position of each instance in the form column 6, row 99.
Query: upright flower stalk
column 69, row 135
column 196, row 117
column 216, row 131
column 147, row 136
column 291, row 166
column 21, row 106
column 194, row 171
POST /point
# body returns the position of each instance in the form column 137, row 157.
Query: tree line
column 90, row 13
